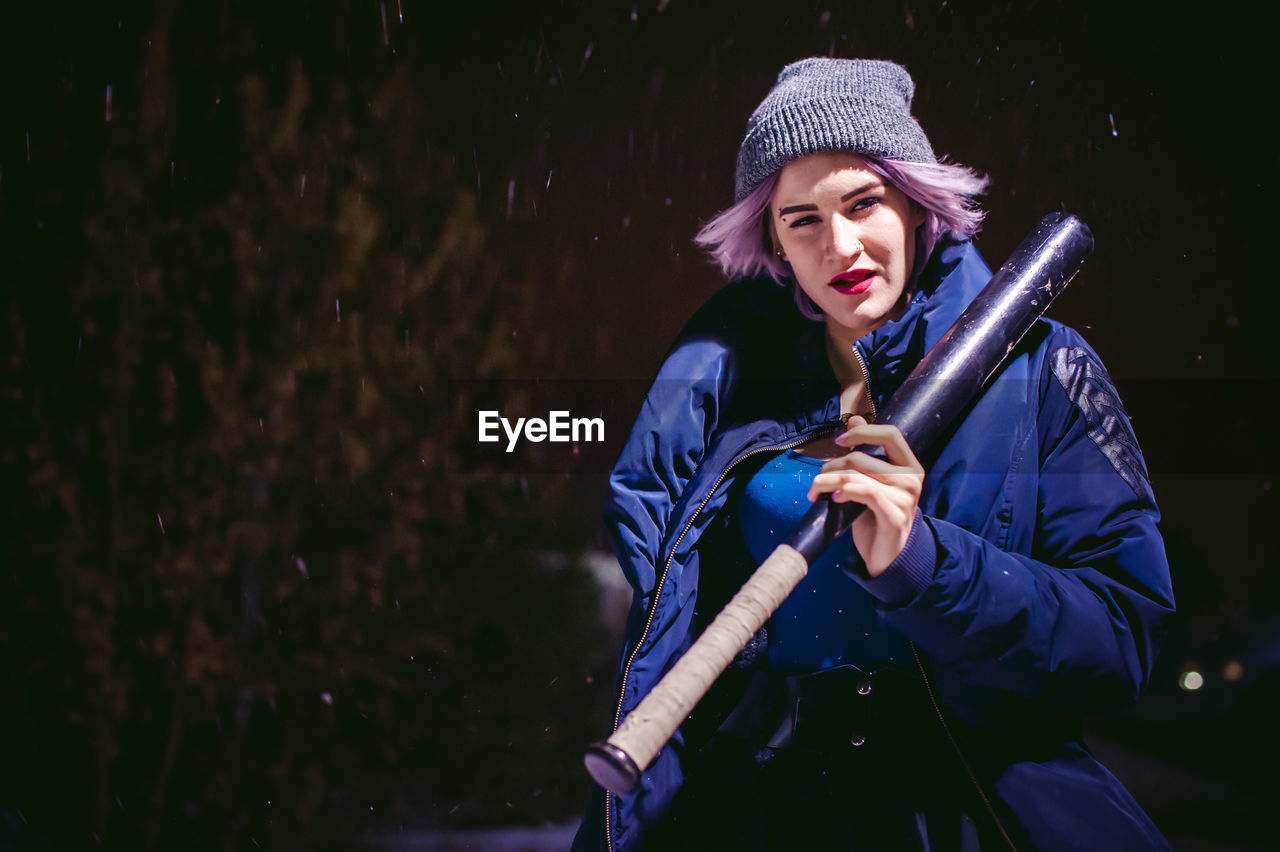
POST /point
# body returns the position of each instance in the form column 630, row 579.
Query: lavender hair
column 738, row 238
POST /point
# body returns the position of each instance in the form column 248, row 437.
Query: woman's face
column 849, row 236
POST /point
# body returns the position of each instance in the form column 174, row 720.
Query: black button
column 858, row 739
column 864, row 687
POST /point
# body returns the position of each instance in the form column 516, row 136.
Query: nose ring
column 857, row 247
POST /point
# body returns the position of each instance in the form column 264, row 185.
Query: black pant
column 868, row 768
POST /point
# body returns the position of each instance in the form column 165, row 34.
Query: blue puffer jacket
column 1046, row 585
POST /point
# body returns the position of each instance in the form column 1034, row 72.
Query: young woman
column 923, row 687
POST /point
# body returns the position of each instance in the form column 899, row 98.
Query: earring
column 782, row 256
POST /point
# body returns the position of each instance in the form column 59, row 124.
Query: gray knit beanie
column 819, row 104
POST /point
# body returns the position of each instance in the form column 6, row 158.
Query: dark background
column 262, row 263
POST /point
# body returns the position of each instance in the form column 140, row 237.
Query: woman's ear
column 771, row 238
column 918, row 214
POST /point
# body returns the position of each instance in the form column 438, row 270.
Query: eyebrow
column 799, row 208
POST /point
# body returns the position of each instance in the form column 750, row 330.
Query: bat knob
column 612, row 768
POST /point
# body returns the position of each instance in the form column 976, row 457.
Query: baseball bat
column 949, row 377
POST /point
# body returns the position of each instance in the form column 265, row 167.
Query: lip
column 852, row 282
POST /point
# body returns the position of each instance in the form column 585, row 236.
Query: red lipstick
column 853, row 282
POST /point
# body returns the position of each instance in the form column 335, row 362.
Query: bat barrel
column 950, row 376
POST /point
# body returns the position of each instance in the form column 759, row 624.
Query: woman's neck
column 845, row 362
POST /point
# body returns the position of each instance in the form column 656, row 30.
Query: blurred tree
column 253, row 600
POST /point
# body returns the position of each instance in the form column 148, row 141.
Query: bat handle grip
column 617, row 763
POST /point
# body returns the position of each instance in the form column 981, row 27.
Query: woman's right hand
column 890, row 489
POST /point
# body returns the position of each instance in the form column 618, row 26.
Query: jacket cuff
column 911, row 572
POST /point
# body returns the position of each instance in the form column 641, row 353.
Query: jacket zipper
column 946, row 729
column 928, row 684
column 657, row 592
column 866, row 383
column 653, row 607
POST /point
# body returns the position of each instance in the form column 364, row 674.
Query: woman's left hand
column 889, row 489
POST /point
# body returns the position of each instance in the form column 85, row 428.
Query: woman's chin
column 856, row 323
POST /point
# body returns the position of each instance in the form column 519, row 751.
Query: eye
column 865, row 203
column 803, row 220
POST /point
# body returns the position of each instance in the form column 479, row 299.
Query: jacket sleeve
column 1078, row 621
column 663, row 451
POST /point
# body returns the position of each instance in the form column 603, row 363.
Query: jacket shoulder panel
column 1079, row 372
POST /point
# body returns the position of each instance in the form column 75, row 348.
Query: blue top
column 829, row 619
